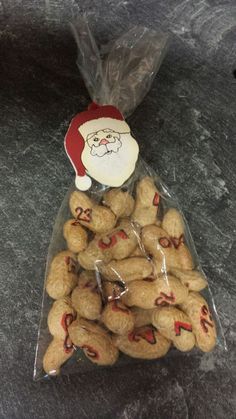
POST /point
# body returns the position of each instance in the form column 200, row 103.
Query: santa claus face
column 104, row 141
column 110, row 156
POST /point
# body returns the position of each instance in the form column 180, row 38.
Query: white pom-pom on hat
column 83, row 183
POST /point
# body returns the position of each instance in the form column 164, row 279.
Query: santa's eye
column 108, row 136
column 96, row 139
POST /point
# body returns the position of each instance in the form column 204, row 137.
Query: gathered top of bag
column 123, row 77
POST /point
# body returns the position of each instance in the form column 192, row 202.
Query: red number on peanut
column 112, row 240
column 203, row 321
column 83, row 215
column 184, row 326
column 165, row 299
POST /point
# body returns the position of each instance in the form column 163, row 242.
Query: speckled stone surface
column 186, row 129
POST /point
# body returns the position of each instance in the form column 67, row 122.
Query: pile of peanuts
column 138, row 290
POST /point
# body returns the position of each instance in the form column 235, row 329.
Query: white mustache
column 104, row 149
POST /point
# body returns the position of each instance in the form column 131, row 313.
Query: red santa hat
column 94, row 119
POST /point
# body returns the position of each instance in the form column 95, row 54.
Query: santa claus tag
column 99, row 144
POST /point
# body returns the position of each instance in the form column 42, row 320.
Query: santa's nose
column 103, row 141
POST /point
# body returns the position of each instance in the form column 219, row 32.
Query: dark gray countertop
column 186, row 130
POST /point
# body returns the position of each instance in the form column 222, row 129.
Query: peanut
column 62, row 277
column 56, row 355
column 118, row 318
column 86, row 298
column 75, row 236
column 96, row 218
column 175, row 326
column 127, row 270
column 95, row 341
column 146, row 203
column 118, row 244
column 193, row 280
column 149, row 294
column 173, row 224
column 166, row 252
column 60, row 316
column 144, row 342
column 203, row 324
column 121, row 203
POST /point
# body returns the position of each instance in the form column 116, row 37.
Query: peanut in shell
column 86, row 298
column 75, row 235
column 96, row 218
column 62, row 276
column 144, row 343
column 175, row 326
column 146, row 202
column 95, row 341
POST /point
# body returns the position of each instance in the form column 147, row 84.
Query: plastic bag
column 128, row 284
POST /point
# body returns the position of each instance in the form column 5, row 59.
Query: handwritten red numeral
column 177, row 241
column 70, row 263
column 184, row 326
column 172, row 241
column 112, row 240
column 66, row 320
column 83, row 215
column 156, row 199
column 146, row 333
column 165, row 299
column 165, row 242
column 203, row 321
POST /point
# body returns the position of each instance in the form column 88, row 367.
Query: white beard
column 112, row 169
column 102, row 149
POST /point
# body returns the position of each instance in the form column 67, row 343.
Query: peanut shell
column 75, row 235
column 175, row 326
column 193, row 280
column 165, row 250
column 117, row 318
column 203, row 324
column 118, row 244
column 56, row 355
column 62, row 277
column 86, row 298
column 95, row 341
column 60, row 316
column 144, row 342
column 96, row 218
column 127, row 270
column 150, row 294
column 121, row 203
column 146, row 203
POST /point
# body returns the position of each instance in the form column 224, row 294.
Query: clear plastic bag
column 133, row 279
